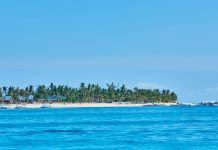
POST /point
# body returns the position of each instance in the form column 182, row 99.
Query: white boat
column 3, row 107
column 19, row 107
column 45, row 106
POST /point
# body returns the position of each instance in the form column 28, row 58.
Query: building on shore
column 22, row 99
column 55, row 99
column 7, row 99
column 30, row 98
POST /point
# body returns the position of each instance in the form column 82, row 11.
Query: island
column 86, row 95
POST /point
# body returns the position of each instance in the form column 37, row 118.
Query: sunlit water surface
column 110, row 128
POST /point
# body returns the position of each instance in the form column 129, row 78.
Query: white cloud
column 142, row 62
column 150, row 85
column 211, row 90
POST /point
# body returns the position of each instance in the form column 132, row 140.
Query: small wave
column 73, row 131
column 64, row 131
column 2, row 132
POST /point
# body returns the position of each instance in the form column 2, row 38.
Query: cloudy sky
column 155, row 44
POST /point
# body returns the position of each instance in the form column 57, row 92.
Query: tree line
column 91, row 93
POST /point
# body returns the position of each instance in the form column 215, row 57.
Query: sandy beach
column 78, row 105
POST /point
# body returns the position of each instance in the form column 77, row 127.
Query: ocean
column 136, row 128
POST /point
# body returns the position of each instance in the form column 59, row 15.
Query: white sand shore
column 78, row 105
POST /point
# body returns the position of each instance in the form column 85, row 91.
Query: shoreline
column 80, row 105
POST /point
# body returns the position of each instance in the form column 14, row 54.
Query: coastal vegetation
column 89, row 93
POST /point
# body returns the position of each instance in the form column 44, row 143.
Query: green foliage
column 92, row 93
column 1, row 93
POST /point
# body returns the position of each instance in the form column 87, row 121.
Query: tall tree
column 1, row 92
column 92, row 93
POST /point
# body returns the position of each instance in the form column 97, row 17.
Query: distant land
column 85, row 93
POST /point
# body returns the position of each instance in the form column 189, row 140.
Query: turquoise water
column 110, row 128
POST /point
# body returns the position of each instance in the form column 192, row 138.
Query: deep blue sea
column 138, row 128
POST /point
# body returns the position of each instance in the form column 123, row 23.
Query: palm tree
column 111, row 91
column 82, row 91
column 92, row 93
column 1, row 93
column 5, row 90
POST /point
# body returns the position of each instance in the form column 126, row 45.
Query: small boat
column 45, row 106
column 147, row 105
column 19, row 107
column 3, row 107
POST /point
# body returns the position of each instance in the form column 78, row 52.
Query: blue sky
column 149, row 44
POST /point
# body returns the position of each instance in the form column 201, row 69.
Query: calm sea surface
column 110, row 128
